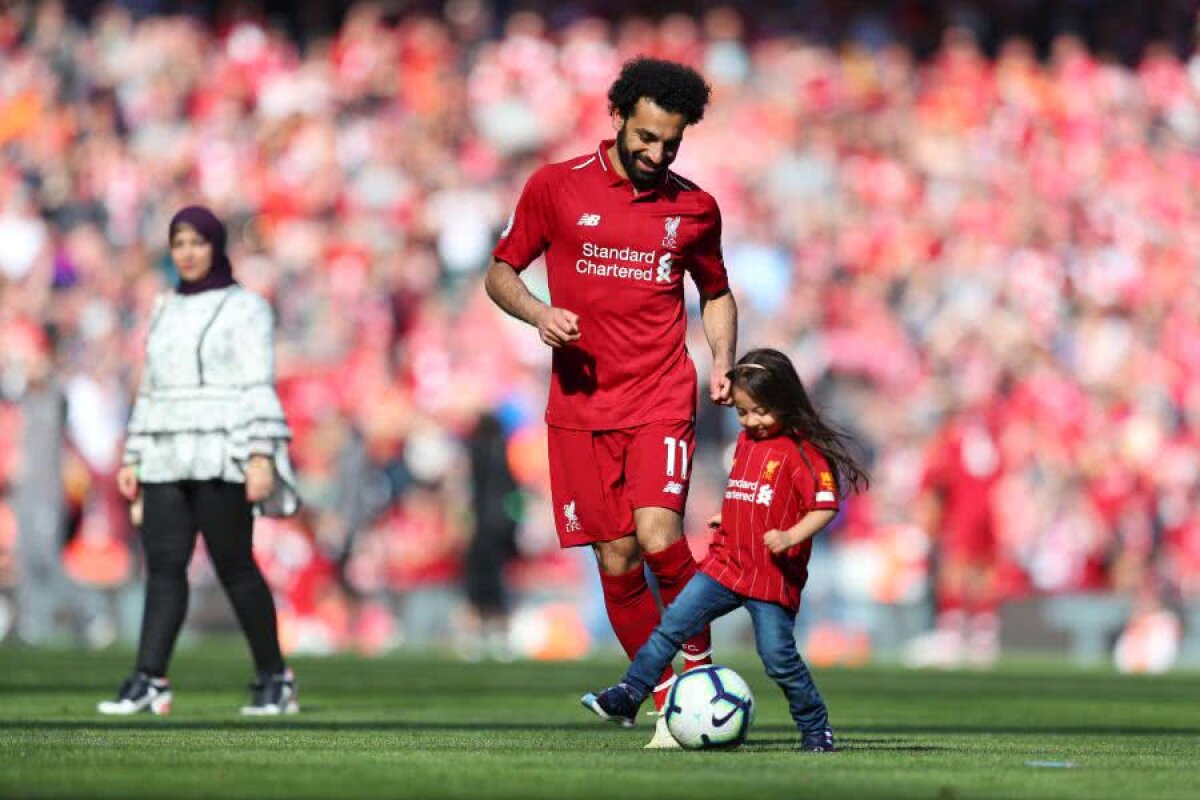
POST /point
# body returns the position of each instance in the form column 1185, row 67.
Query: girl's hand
column 777, row 541
column 127, row 482
column 260, row 478
column 714, row 521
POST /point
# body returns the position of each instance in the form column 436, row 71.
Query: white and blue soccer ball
column 709, row 707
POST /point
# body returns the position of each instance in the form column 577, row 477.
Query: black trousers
column 172, row 514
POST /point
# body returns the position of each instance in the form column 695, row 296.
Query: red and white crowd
column 923, row 237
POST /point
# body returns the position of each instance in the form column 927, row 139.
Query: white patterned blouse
column 207, row 399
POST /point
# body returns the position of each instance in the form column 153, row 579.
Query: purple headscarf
column 208, row 226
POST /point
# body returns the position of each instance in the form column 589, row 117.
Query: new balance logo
column 589, row 220
column 673, row 487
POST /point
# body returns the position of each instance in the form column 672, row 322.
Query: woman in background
column 206, row 449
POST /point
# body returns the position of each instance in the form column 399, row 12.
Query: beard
column 639, row 176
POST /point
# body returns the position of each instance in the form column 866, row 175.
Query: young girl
column 789, row 469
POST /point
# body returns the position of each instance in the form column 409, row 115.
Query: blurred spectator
column 44, row 590
column 495, row 514
column 957, row 504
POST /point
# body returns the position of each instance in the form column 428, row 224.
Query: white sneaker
column 139, row 693
column 983, row 650
column 662, row 739
column 982, row 646
column 939, row 649
column 273, row 695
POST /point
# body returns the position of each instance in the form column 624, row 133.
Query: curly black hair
column 677, row 88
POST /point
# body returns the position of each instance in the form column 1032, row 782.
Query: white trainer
column 139, row 693
column 662, row 739
column 273, row 695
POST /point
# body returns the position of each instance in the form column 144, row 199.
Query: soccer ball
column 709, row 707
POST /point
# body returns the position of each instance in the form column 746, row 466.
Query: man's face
column 647, row 142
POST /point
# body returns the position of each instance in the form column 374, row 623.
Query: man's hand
column 719, row 315
column 777, row 541
column 557, row 326
column 260, row 478
column 720, row 388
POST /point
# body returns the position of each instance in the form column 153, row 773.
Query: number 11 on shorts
column 671, row 442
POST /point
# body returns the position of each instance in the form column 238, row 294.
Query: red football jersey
column 772, row 485
column 964, row 468
column 616, row 257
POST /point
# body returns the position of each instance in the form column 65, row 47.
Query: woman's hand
column 127, row 482
column 260, row 478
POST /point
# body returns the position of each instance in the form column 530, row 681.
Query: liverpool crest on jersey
column 671, row 226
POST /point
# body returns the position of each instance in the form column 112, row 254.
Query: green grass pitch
column 428, row 727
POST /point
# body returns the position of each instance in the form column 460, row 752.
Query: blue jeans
column 702, row 601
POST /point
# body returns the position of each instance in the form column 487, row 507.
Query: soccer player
column 957, row 504
column 789, row 467
column 619, row 229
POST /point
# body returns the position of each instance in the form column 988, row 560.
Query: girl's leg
column 774, row 636
column 700, row 602
column 168, row 536
column 227, row 522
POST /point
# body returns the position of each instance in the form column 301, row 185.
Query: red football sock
column 982, row 605
column 953, row 619
column 633, row 615
column 663, row 689
column 981, row 598
column 949, row 602
column 673, row 568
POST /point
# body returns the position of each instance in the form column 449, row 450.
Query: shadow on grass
column 289, row 724
column 310, row 721
column 1020, row 730
column 847, row 745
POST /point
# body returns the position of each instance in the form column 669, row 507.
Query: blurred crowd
column 1005, row 238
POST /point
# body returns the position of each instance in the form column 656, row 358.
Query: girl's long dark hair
column 768, row 376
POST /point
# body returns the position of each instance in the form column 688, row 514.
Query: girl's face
column 758, row 421
column 191, row 253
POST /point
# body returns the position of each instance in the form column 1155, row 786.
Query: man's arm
column 719, row 315
column 556, row 326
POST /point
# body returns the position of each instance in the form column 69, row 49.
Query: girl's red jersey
column 773, row 483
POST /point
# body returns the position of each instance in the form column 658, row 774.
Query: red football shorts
column 597, row 478
column 969, row 539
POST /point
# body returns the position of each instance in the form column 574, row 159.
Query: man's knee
column 618, row 557
column 657, row 528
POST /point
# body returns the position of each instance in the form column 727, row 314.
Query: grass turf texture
column 425, row 727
